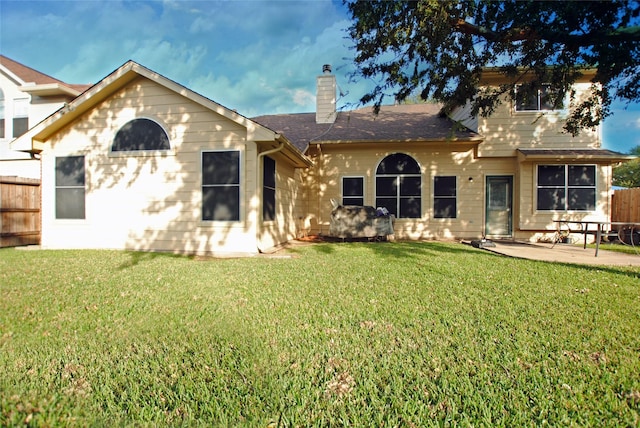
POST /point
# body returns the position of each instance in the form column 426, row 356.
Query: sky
column 256, row 57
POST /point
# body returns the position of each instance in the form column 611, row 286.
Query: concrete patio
column 564, row 253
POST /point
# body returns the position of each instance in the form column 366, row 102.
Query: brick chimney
column 326, row 96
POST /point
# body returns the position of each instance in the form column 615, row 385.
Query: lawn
column 355, row 334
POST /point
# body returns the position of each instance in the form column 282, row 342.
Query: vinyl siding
column 149, row 200
column 435, row 159
column 507, row 130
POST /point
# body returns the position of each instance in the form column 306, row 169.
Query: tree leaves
column 439, row 49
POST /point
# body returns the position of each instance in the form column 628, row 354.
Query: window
column 140, row 134
column 398, row 186
column 221, row 186
column 566, row 187
column 540, row 98
column 444, row 197
column 1, row 114
column 20, row 117
column 70, row 187
column 269, row 189
column 353, row 191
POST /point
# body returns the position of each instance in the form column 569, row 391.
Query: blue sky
column 257, row 57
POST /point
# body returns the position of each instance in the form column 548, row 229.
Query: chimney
column 326, row 96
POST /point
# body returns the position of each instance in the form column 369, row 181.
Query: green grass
column 387, row 334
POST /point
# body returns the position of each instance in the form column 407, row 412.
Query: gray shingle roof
column 401, row 123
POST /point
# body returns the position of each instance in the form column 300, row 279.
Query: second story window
column 20, row 117
column 540, row 98
column 1, row 114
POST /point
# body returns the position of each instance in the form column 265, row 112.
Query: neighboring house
column 27, row 96
column 141, row 162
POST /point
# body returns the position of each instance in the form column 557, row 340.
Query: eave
column 50, row 89
column 564, row 155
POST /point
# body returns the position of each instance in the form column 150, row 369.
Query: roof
column 572, row 154
column 35, row 138
column 30, row 78
column 399, row 123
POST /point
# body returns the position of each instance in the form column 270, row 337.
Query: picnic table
column 628, row 233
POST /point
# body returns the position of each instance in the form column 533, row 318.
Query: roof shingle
column 400, row 123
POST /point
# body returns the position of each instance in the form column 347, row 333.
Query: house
column 27, row 96
column 141, row 162
column 507, row 176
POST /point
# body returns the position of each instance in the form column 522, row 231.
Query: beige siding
column 149, row 201
column 287, row 224
column 335, row 161
column 507, row 130
column 531, row 220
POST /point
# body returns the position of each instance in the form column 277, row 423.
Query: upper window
column 269, row 189
column 20, row 116
column 399, row 186
column 221, row 186
column 444, row 197
column 540, row 98
column 353, row 191
column 1, row 114
column 70, row 187
column 566, row 187
column 140, row 134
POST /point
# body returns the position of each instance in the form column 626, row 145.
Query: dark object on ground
column 482, row 243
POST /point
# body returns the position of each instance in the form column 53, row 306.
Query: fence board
column 625, row 205
column 19, row 211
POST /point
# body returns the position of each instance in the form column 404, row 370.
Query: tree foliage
column 439, row 49
column 628, row 174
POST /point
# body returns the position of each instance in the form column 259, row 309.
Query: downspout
column 259, row 181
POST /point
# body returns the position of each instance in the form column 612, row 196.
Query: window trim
column 20, row 104
column 266, row 187
column 240, row 187
column 142, row 152
column 566, row 187
column 398, row 197
column 443, row 197
column 2, row 115
column 83, row 187
column 539, row 109
column 342, row 195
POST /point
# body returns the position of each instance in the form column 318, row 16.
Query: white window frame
column 361, row 177
column 566, row 187
column 239, row 185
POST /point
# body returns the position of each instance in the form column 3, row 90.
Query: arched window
column 399, row 186
column 140, row 134
column 1, row 114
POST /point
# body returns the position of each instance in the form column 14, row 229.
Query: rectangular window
column 566, row 187
column 536, row 99
column 353, row 191
column 444, row 197
column 221, row 186
column 20, row 117
column 269, row 189
column 70, row 187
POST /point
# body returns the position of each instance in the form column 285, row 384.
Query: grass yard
column 387, row 334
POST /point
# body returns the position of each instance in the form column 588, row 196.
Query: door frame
column 510, row 179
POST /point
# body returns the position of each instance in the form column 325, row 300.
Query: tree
column 628, row 174
column 439, row 48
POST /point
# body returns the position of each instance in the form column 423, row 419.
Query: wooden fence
column 625, row 205
column 19, row 211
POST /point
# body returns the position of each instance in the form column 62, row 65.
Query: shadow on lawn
column 397, row 249
column 137, row 257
